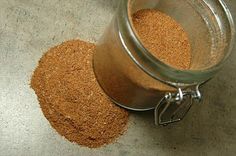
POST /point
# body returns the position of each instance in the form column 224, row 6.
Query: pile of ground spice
column 71, row 98
column 163, row 37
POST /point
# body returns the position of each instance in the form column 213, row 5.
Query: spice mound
column 72, row 100
column 163, row 37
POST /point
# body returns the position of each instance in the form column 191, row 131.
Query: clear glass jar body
column 133, row 78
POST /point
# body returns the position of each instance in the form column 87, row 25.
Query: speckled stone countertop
column 29, row 28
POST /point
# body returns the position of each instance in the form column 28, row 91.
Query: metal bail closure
column 174, row 106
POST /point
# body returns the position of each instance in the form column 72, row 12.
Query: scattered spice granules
column 163, row 37
column 71, row 98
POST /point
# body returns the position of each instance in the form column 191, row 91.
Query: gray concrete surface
column 29, row 28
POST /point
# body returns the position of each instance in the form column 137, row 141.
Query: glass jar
column 134, row 79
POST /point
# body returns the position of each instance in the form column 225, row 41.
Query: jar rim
column 171, row 75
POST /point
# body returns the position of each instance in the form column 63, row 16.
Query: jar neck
column 150, row 64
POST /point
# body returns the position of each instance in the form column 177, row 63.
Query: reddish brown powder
column 72, row 100
column 163, row 37
column 69, row 95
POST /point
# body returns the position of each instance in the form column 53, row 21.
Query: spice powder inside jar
column 163, row 37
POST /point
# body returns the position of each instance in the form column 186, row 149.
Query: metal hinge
column 174, row 106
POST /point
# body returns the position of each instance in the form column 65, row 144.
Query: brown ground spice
column 71, row 98
column 163, row 37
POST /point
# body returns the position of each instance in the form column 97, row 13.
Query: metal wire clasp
column 174, row 106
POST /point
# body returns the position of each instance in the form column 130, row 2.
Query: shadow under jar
column 134, row 79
